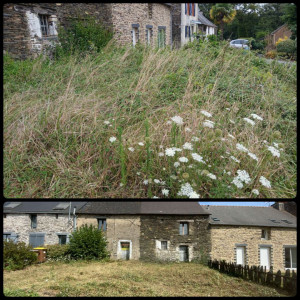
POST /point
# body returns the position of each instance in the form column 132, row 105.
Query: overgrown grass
column 59, row 117
column 129, row 278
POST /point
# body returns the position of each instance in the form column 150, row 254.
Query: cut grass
column 56, row 143
column 130, row 278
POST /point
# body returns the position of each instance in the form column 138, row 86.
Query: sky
column 238, row 203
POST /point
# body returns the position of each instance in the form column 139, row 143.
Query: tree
column 221, row 14
column 290, row 17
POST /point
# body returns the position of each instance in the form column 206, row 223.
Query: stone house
column 254, row 236
column 172, row 231
column 188, row 23
column 289, row 206
column 39, row 222
column 29, row 28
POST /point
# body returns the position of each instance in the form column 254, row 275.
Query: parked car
column 239, row 44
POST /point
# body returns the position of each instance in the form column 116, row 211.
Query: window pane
column 33, row 221
column 287, row 257
column 62, row 239
column 164, row 245
column 294, row 257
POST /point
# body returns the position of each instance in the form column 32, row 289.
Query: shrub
column 288, row 46
column 17, row 256
column 271, row 54
column 88, row 242
column 82, row 36
column 58, row 252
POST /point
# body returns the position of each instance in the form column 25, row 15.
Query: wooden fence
column 258, row 274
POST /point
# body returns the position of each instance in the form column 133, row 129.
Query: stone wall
column 143, row 14
column 225, row 239
column 155, row 229
column 119, row 228
column 50, row 224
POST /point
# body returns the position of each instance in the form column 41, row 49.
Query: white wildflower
column 231, row 121
column 275, row 144
column 274, row 151
column 198, row 157
column 206, row 113
column 212, row 176
column 195, row 139
column 112, row 139
column 161, row 154
column 188, row 146
column 183, row 159
column 185, row 190
column 265, row 142
column 176, row 164
column 235, row 159
column 208, row 124
column 170, row 152
column 253, row 156
column 174, row 177
column 161, row 146
column 145, row 182
column 229, row 173
column 165, row 192
column 106, row 122
column 194, row 195
column 191, row 166
column 169, row 122
column 249, row 121
column 162, row 182
column 227, row 108
column 255, row 191
column 237, row 182
column 131, row 149
column 255, row 116
column 241, row 147
column 138, row 173
column 155, row 197
column 187, row 129
column 156, row 181
column 178, row 120
column 231, row 136
column 176, row 149
column 141, row 144
column 243, row 176
column 265, row 182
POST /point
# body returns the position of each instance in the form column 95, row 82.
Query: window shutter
column 36, row 239
column 185, row 31
column 189, row 31
column 180, row 229
column 185, row 8
column 185, row 229
column 190, row 9
column 194, row 6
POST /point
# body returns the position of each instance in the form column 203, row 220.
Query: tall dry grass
column 56, row 142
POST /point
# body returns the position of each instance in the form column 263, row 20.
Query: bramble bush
column 88, row 243
column 17, row 256
column 82, row 36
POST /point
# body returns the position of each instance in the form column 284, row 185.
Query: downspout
column 74, row 219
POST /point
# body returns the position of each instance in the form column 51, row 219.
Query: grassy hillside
column 125, row 279
column 101, row 126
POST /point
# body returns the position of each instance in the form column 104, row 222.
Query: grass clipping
column 199, row 122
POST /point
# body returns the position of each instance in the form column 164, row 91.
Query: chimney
column 281, row 206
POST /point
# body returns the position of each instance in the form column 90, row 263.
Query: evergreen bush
column 17, row 256
column 288, row 46
column 88, row 243
column 58, row 252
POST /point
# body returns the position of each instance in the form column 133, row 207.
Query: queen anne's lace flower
column 106, row 122
column 254, row 116
column 194, row 195
column 112, row 139
column 195, row 139
column 255, row 191
column 176, row 164
column 241, row 147
column 141, row 144
column 187, row 146
column 253, row 156
column 206, row 113
column 185, row 190
column 249, row 121
column 198, row 157
column 265, row 182
column 242, row 176
column 131, row 149
column 183, row 159
column 235, row 159
column 274, row 151
column 170, row 152
column 178, row 120
column 212, row 176
column 208, row 124
column 165, row 192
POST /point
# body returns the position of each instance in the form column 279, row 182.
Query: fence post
column 278, row 279
column 286, row 280
column 294, row 282
column 269, row 279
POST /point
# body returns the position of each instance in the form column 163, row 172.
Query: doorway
column 265, row 257
column 183, row 253
column 125, row 250
column 240, row 256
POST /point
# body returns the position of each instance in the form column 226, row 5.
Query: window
column 6, row 236
column 290, row 257
column 265, row 234
column 102, row 224
column 190, row 9
column 36, row 239
column 33, row 221
column 184, row 228
column 62, row 239
column 149, row 34
column 164, row 245
column 44, row 24
column 161, row 38
column 135, row 34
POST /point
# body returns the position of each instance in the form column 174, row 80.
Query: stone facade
column 226, row 238
column 118, row 229
column 155, row 229
column 49, row 224
column 23, row 37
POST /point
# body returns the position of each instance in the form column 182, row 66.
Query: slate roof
column 250, row 216
column 204, row 20
column 144, row 208
column 42, row 207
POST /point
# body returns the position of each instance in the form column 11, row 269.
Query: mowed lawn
column 128, row 278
